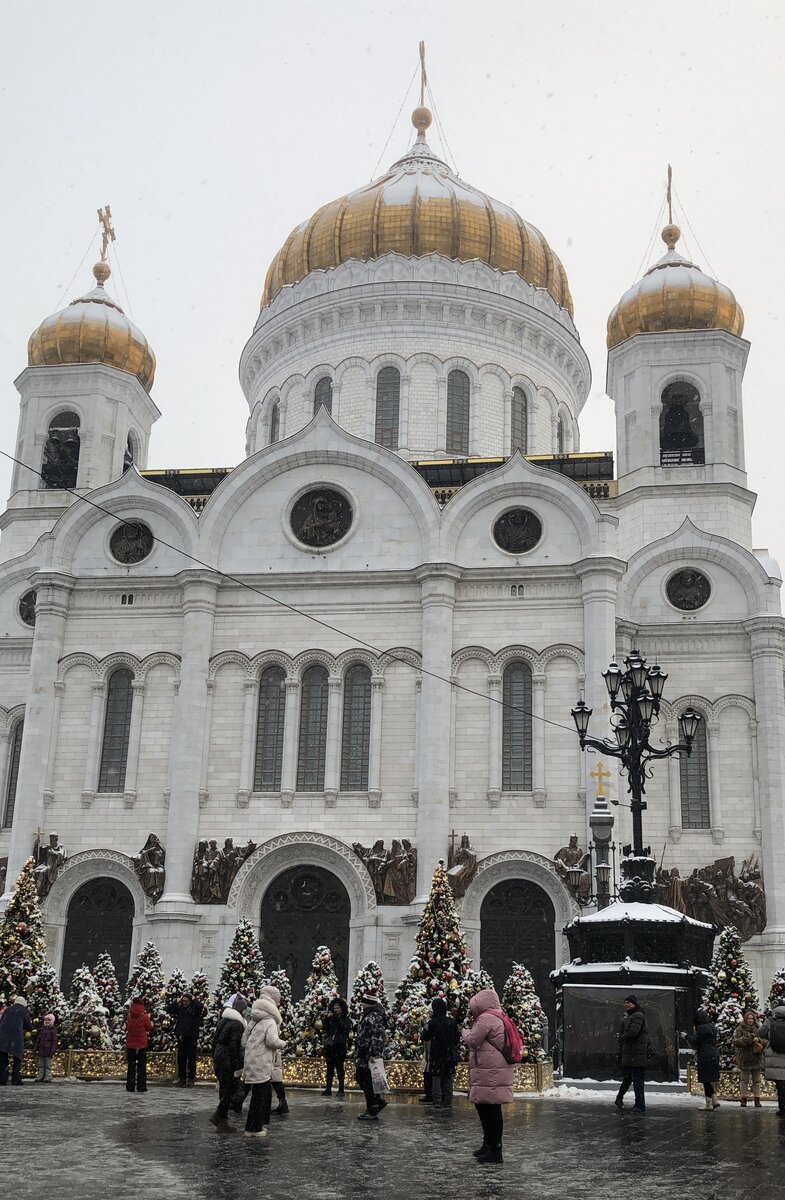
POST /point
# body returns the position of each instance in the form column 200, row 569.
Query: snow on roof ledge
column 636, row 911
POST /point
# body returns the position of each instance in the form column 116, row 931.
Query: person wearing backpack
column 634, row 1044
column 494, row 1045
column 772, row 1035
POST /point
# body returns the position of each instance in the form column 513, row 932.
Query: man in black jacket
column 368, row 1046
column 634, row 1044
column 188, row 1016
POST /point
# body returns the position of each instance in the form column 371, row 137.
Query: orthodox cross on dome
column 670, row 194
column 421, row 117
column 423, row 74
column 600, row 774
column 671, row 233
column 107, row 232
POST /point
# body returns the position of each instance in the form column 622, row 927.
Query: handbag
column 378, row 1077
column 758, row 1046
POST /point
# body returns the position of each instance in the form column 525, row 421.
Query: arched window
column 117, row 726
column 458, row 392
column 388, row 404
column 519, row 419
column 129, row 458
column 356, row 738
column 681, row 427
column 269, row 731
column 312, row 747
column 517, row 728
column 694, row 779
column 323, row 395
column 13, row 774
column 60, row 464
column 561, row 435
column 275, row 423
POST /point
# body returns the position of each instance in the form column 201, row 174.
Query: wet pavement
column 97, row 1142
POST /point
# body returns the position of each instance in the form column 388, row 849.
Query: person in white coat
column 262, row 1045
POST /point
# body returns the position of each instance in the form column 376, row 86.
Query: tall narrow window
column 681, row 427
column 312, row 747
column 269, row 731
column 117, row 726
column 356, row 739
column 388, row 404
column 561, row 435
column 519, row 422
column 129, row 457
column 60, row 464
column 517, row 728
column 694, row 779
column 323, row 395
column 275, row 423
column 458, row 391
column 13, row 774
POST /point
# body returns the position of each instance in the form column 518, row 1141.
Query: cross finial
column 600, row 774
column 423, row 75
column 107, row 232
column 670, row 194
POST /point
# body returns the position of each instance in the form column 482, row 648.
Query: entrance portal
column 100, row 917
column 305, row 907
column 517, row 921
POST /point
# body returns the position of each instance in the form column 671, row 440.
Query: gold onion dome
column 418, row 207
column 673, row 295
column 93, row 329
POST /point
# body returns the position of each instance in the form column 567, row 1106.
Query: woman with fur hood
column 262, row 1046
column 228, row 1057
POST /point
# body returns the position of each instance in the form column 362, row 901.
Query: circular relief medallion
column 27, row 608
column 688, row 590
column 131, row 542
column 517, row 530
column 321, row 517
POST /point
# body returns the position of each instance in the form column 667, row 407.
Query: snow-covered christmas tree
column 730, row 976
column 776, row 991
column 176, row 987
column 242, row 971
column 414, row 1013
column 44, row 996
column 22, row 945
column 368, row 979
column 522, row 1005
column 280, row 980
column 321, row 987
column 105, row 978
column 729, row 1017
column 147, row 981
column 87, row 1027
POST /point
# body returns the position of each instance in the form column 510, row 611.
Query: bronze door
column 100, row 917
column 517, row 922
column 303, row 908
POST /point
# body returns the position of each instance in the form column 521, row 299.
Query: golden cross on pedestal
column 107, row 234
column 423, row 76
column 600, row 774
column 670, row 195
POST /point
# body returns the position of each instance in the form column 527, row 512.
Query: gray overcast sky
column 212, row 129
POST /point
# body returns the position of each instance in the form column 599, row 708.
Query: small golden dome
column 93, row 329
column 418, row 207
column 674, row 294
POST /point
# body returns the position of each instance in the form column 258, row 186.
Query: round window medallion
column 27, row 608
column 131, row 542
column 321, row 518
column 517, row 530
column 688, row 590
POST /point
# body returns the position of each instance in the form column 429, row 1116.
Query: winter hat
column 20, row 1000
column 370, row 998
column 631, row 1000
column 49, row 1019
column 237, row 1001
column 271, row 993
column 439, row 1007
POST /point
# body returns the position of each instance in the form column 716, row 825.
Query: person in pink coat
column 490, row 1075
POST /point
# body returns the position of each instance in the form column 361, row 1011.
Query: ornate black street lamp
column 635, row 696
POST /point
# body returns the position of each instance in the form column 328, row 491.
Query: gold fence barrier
column 728, row 1086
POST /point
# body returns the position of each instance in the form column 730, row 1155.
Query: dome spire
column 102, row 270
column 671, row 233
column 422, row 117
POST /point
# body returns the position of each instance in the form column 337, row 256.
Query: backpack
column 777, row 1035
column 512, row 1050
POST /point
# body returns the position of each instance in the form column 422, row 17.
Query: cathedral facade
column 359, row 648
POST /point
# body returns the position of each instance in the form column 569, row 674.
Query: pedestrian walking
column 772, row 1035
column 261, row 1042
column 15, row 1023
column 707, row 1056
column 137, row 1029
column 337, row 1029
column 188, row 1016
column 634, row 1043
column 228, row 1057
column 443, row 1038
column 748, row 1048
column 490, row 1072
column 45, row 1047
column 368, row 1047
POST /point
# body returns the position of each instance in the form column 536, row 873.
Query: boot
column 709, row 1103
column 744, row 1102
column 757, row 1102
column 483, row 1149
column 281, row 1110
column 221, row 1123
column 492, row 1155
column 190, row 1083
column 715, row 1102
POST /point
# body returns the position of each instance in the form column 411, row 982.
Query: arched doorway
column 305, row 907
column 517, row 920
column 100, row 917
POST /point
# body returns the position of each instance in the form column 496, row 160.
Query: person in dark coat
column 337, row 1028
column 707, row 1056
column 443, row 1037
column 137, row 1028
column 45, row 1046
column 16, row 1021
column 228, row 1057
column 188, row 1016
column 368, row 1046
column 772, row 1035
column 634, row 1045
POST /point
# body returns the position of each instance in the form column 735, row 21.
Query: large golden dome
column 674, row 294
column 93, row 329
column 418, row 207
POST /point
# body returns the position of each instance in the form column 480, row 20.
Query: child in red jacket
column 137, row 1026
column 45, row 1046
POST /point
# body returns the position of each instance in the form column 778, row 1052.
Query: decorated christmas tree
column 88, row 1028
column 414, row 1014
column 776, row 991
column 321, row 987
column 368, row 979
column 44, row 996
column 147, row 981
column 522, row 1004
column 176, row 988
column 199, row 989
column 730, row 976
column 280, row 980
column 109, row 990
column 22, row 945
column 242, row 971
column 729, row 1018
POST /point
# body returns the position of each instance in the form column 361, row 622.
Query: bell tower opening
column 681, row 427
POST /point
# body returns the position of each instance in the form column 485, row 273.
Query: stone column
column 375, row 743
column 53, row 590
column 494, row 740
column 433, row 815
column 403, row 412
column 674, row 786
column 94, row 736
column 250, row 690
column 756, row 831
column 715, row 784
column 49, row 787
column 417, row 708
column 291, row 733
column 332, row 755
column 5, row 754
column 138, row 688
column 538, row 741
column 208, row 727
column 767, row 644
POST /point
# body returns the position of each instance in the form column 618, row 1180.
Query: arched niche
column 305, row 906
column 100, row 917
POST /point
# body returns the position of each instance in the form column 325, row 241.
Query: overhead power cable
column 395, row 122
